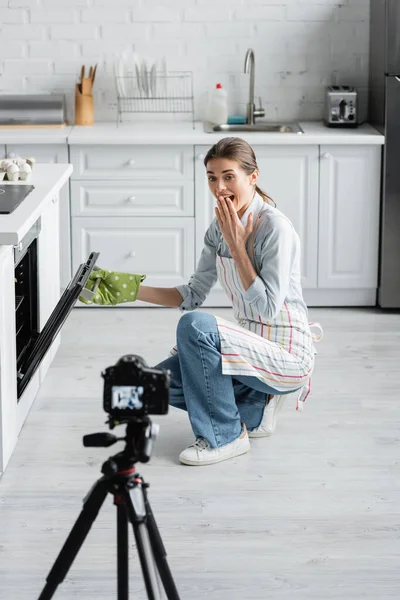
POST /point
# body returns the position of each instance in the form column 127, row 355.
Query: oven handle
column 77, row 283
column 90, row 294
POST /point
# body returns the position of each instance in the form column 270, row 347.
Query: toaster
column 340, row 106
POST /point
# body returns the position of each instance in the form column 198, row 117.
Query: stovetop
column 11, row 196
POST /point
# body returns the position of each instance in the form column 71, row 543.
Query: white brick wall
column 300, row 46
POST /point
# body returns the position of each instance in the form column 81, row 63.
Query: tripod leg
column 137, row 515
column 74, row 541
column 159, row 553
column 122, row 551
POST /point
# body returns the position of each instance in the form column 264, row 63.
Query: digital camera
column 132, row 388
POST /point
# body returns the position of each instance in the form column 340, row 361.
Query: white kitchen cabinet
column 53, row 153
column 110, row 198
column 349, row 221
column 13, row 413
column 289, row 175
column 133, row 184
column 161, row 248
column 135, row 205
column 151, row 163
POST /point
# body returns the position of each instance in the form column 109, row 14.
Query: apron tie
column 306, row 389
column 321, row 331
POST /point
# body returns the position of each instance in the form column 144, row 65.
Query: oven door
column 54, row 323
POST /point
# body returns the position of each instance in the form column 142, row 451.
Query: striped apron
column 279, row 352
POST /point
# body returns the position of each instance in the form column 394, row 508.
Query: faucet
column 252, row 113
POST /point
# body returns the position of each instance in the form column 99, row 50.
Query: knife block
column 84, row 111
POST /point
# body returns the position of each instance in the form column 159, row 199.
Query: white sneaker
column 270, row 417
column 200, row 453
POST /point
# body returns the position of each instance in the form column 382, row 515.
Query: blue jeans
column 217, row 404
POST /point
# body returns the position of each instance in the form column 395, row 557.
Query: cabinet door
column 349, row 216
column 289, row 175
column 49, row 153
column 162, row 249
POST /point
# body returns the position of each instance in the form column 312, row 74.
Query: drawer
column 43, row 153
column 113, row 199
column 163, row 249
column 132, row 162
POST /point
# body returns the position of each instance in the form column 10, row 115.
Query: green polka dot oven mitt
column 111, row 287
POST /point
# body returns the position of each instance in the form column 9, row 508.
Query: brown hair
column 234, row 148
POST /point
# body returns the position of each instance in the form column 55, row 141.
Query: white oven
column 32, row 345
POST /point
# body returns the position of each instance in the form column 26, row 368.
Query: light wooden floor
column 311, row 513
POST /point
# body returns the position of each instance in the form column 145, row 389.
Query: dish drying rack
column 155, row 93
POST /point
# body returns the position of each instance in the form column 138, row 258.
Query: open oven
column 34, row 339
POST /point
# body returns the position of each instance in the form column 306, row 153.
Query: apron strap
column 317, row 338
column 253, row 234
column 303, row 394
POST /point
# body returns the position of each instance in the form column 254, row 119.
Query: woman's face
column 226, row 178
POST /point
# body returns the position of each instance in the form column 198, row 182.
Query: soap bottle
column 218, row 107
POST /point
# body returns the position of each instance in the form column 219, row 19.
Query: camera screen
column 127, row 397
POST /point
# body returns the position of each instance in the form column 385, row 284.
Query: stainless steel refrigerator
column 384, row 114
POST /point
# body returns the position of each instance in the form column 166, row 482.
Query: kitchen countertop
column 48, row 180
column 35, row 135
column 182, row 132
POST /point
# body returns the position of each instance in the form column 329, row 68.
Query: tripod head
column 139, row 437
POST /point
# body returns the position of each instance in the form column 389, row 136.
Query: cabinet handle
column 131, row 254
column 200, row 156
column 325, row 155
column 131, row 199
column 131, row 162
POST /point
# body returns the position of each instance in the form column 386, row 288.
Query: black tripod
column 130, row 497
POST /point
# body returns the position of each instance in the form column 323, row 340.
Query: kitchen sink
column 261, row 126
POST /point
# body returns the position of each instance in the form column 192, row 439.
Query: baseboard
column 337, row 297
column 313, row 298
